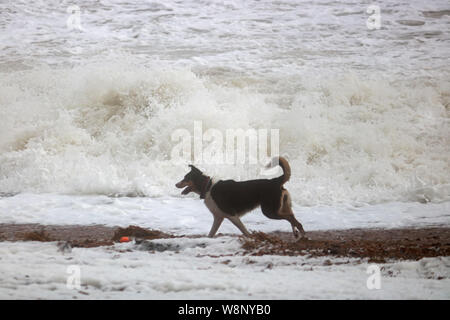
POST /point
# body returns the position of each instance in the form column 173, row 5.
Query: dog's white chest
column 212, row 205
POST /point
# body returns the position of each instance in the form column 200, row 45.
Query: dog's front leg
column 238, row 223
column 216, row 224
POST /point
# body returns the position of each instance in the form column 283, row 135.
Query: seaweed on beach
column 141, row 233
column 36, row 236
column 377, row 245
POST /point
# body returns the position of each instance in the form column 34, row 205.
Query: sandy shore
column 378, row 245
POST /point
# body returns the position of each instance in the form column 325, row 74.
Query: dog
column 232, row 199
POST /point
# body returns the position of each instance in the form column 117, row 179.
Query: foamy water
column 362, row 114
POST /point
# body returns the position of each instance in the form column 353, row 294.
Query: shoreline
column 378, row 245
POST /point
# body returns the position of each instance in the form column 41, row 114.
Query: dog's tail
column 284, row 164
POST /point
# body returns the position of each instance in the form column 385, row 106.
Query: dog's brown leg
column 286, row 213
column 216, row 224
column 238, row 223
column 296, row 226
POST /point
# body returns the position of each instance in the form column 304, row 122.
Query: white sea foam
column 206, row 269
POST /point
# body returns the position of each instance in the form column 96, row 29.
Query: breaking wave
column 105, row 128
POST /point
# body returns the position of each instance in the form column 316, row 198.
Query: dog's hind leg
column 216, row 224
column 296, row 226
column 238, row 223
column 286, row 213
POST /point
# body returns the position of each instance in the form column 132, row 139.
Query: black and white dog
column 232, row 199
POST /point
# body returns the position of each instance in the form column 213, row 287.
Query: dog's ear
column 193, row 168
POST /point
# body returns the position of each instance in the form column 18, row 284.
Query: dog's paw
column 299, row 234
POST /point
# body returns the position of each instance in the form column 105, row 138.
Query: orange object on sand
column 124, row 239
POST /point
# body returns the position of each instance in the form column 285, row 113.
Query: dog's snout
column 181, row 184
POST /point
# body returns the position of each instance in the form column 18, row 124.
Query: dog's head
column 193, row 181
